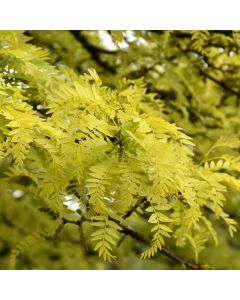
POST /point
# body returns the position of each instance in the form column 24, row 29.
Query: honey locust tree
column 119, row 149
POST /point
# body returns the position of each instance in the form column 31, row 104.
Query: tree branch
column 94, row 51
column 221, row 83
column 135, row 235
column 164, row 251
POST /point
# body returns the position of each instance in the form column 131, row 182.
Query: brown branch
column 76, row 34
column 175, row 258
column 93, row 51
column 127, row 231
column 132, row 209
column 221, row 83
column 166, row 252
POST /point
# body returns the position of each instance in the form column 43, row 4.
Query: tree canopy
column 119, row 149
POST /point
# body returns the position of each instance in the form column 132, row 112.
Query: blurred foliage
column 93, row 163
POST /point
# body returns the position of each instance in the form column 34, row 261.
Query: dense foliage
column 119, row 155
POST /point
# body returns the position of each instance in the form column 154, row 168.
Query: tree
column 122, row 156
